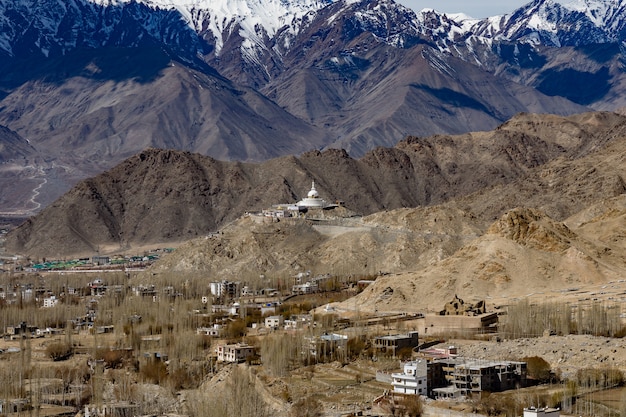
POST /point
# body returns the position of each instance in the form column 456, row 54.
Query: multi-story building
column 471, row 377
column 235, row 353
column 227, row 289
column 274, row 322
column 394, row 343
column 50, row 301
column 413, row 379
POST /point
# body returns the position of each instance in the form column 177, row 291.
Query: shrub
column 59, row 351
column 112, row 358
column 307, row 407
column 538, row 368
column 412, row 406
column 154, row 372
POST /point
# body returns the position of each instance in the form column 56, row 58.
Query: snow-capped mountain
column 265, row 29
column 558, row 23
column 56, row 27
column 253, row 79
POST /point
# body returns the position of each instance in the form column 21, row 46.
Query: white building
column 215, row 331
column 225, row 289
column 234, row 353
column 541, row 412
column 412, row 380
column 274, row 322
column 312, row 200
column 306, row 288
column 50, row 301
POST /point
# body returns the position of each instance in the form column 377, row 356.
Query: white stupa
column 312, row 199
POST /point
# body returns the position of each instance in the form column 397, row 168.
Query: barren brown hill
column 560, row 165
column 391, row 242
column 523, row 252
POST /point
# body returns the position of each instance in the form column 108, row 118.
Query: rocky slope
column 523, row 252
column 189, row 195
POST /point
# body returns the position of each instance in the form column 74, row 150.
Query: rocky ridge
column 483, row 174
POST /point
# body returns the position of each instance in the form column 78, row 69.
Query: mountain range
column 558, row 165
column 85, row 84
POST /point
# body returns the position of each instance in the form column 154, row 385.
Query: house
column 298, row 321
column 306, row 288
column 215, row 331
column 14, row 406
column 327, row 345
column 269, row 308
column 232, row 310
column 100, row 260
column 413, row 379
column 97, row 287
column 21, row 330
column 235, row 353
column 50, row 301
column 274, row 322
column 141, row 291
column 394, row 343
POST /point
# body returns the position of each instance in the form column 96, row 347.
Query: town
column 66, row 333
column 90, row 336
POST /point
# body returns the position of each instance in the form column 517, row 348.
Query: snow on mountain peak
column 220, row 17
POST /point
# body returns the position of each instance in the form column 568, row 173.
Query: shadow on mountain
column 452, row 97
column 578, row 86
column 600, row 53
column 522, row 54
column 136, row 44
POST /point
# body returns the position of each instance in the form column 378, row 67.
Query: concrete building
column 327, row 345
column 471, row 377
column 306, row 288
column 413, row 379
column 235, row 353
column 225, row 289
column 50, row 301
column 215, row 331
column 274, row 322
column 394, row 343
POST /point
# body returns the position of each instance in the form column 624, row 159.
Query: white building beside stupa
column 312, row 200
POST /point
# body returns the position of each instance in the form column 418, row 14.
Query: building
column 225, row 289
column 327, row 346
column 413, row 379
column 235, row 353
column 274, row 322
column 312, row 200
column 306, row 288
column 215, row 331
column 50, row 301
column 394, row 343
column 471, row 377
column 541, row 412
column 464, row 325
column 21, row 330
column 97, row 287
column 100, row 260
